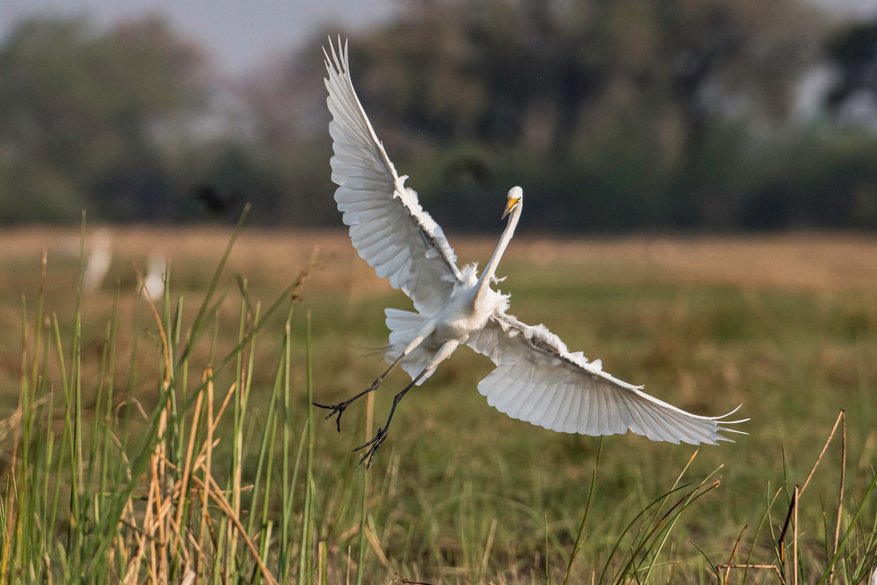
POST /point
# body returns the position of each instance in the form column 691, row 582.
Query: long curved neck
column 490, row 269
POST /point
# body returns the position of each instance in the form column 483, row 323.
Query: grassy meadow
column 103, row 416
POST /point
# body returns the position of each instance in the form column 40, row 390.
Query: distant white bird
column 537, row 379
column 100, row 256
column 156, row 266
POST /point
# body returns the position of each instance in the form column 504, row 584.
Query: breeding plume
column 537, row 379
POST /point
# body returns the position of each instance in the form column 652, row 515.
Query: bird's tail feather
column 404, row 327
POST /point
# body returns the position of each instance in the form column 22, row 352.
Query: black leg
column 341, row 406
column 378, row 440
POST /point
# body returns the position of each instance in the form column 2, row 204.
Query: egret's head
column 516, row 194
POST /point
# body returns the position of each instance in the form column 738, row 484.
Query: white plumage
column 388, row 227
column 100, row 256
column 153, row 283
column 537, row 379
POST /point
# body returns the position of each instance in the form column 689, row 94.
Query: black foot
column 336, row 409
column 375, row 443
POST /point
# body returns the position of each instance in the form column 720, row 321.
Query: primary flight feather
column 537, row 379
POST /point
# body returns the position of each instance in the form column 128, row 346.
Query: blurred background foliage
column 626, row 115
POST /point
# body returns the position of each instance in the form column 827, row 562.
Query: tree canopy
column 612, row 115
column 82, row 113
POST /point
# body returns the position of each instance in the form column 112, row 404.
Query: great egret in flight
column 537, row 379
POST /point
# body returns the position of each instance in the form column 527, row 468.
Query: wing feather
column 538, row 380
column 569, row 419
column 388, row 227
column 540, row 407
column 556, row 405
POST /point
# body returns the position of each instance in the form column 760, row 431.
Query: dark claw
column 336, row 409
column 375, row 443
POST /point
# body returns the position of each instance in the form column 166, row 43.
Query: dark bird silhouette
column 216, row 202
column 468, row 166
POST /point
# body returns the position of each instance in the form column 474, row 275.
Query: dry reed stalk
column 842, row 421
column 161, row 507
column 203, row 495
column 205, row 454
column 133, row 570
column 173, row 525
column 733, row 553
column 175, row 530
column 184, row 481
column 136, row 529
column 129, row 506
column 487, row 548
column 10, row 511
column 159, row 472
column 239, row 449
column 151, row 525
column 129, row 510
column 227, row 553
column 747, row 567
column 376, row 546
column 840, row 497
column 795, row 540
column 205, row 513
column 194, row 543
column 202, row 453
column 14, row 420
column 216, row 493
column 841, row 417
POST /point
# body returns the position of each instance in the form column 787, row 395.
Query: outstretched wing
column 388, row 227
column 539, row 381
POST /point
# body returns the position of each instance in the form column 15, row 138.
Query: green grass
column 107, row 447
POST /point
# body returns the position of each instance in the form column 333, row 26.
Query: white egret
column 156, row 267
column 100, row 257
column 537, row 379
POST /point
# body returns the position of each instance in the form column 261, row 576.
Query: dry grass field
column 785, row 326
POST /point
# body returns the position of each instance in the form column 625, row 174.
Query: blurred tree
column 640, row 99
column 614, row 114
column 89, row 106
column 854, row 51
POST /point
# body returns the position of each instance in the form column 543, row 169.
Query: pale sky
column 238, row 34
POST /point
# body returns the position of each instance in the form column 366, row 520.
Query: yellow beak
column 511, row 205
